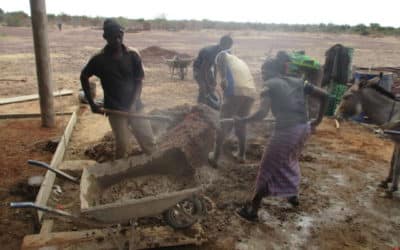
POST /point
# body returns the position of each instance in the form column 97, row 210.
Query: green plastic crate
column 336, row 94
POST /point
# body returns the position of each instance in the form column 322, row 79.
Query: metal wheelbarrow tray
column 96, row 179
column 178, row 63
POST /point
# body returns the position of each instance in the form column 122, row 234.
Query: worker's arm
column 323, row 98
column 86, row 89
column 139, row 76
column 260, row 114
column 221, row 70
column 209, row 78
column 89, row 70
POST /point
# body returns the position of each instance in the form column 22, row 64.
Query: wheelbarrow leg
column 182, row 72
column 132, row 240
column 172, row 72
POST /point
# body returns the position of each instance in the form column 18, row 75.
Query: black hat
column 111, row 26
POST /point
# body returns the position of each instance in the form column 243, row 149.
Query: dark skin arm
column 205, row 68
column 138, row 91
column 86, row 89
column 260, row 114
column 322, row 96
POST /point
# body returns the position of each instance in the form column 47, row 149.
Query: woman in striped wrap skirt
column 279, row 171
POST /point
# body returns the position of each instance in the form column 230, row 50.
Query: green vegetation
column 161, row 22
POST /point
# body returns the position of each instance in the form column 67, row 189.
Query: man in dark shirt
column 121, row 73
column 204, row 71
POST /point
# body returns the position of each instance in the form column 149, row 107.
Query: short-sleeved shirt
column 206, row 54
column 287, row 96
column 119, row 77
column 237, row 75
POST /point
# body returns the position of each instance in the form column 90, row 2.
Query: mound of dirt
column 104, row 150
column 156, row 54
column 191, row 128
column 194, row 134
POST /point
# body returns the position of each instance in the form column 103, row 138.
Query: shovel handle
column 56, row 171
column 139, row 116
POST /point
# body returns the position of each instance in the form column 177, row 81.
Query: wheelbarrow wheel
column 185, row 213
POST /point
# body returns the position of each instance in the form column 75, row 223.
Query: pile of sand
column 139, row 187
column 192, row 128
column 103, row 150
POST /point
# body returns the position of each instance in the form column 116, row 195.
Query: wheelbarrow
column 180, row 209
column 178, row 63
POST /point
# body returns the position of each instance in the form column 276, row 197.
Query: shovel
column 229, row 120
column 135, row 115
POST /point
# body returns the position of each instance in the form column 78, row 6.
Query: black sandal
column 247, row 213
column 294, row 201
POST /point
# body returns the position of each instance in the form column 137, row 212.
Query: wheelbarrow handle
column 57, row 212
column 41, row 208
column 56, row 171
column 392, row 132
column 162, row 118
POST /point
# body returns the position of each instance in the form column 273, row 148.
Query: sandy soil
column 21, row 140
column 341, row 208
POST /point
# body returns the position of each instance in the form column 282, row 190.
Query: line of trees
column 19, row 18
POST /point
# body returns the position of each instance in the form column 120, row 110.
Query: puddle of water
column 299, row 239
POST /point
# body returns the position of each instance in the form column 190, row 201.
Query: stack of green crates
column 335, row 96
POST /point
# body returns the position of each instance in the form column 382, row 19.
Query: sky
column 384, row 12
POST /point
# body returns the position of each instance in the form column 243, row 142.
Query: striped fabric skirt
column 279, row 172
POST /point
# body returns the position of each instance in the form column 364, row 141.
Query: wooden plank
column 145, row 238
column 47, row 184
column 76, row 166
column 47, row 226
column 28, row 115
column 26, row 98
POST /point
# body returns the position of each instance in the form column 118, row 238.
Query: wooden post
column 39, row 29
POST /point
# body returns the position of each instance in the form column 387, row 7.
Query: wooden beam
column 47, row 184
column 26, row 98
column 47, row 226
column 29, row 115
column 43, row 66
column 151, row 237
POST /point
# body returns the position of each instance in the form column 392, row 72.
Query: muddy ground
column 341, row 207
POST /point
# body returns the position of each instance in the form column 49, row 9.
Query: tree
column 16, row 19
column 1, row 15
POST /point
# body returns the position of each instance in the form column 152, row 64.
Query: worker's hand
column 96, row 109
column 314, row 123
column 224, row 84
column 239, row 120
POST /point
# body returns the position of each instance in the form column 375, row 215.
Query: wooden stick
column 337, row 124
column 26, row 98
column 29, row 115
column 135, row 115
column 49, row 178
column 102, row 239
column 12, row 80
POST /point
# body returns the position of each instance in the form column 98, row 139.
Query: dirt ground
column 341, row 207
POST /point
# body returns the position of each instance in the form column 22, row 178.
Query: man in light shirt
column 239, row 92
